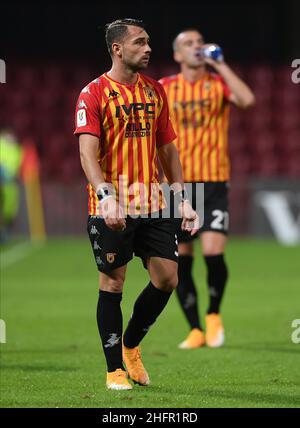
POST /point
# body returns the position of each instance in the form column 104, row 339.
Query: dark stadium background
column 52, row 49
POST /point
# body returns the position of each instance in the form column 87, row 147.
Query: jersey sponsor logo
column 192, row 123
column 81, row 117
column 138, row 130
column 110, row 257
column 184, row 105
column 135, row 108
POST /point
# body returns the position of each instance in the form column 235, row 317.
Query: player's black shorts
column 216, row 215
column 143, row 237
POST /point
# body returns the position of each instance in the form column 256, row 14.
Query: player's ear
column 116, row 49
column 177, row 56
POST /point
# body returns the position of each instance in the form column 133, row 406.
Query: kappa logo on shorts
column 99, row 261
column 96, row 246
column 110, row 257
column 94, row 230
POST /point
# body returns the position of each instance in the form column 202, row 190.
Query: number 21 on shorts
column 221, row 220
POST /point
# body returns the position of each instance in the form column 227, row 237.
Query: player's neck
column 193, row 74
column 123, row 75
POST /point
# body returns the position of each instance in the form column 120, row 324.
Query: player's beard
column 136, row 66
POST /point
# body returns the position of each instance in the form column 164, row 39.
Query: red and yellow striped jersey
column 199, row 113
column 131, row 122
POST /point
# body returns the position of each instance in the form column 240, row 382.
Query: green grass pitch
column 52, row 357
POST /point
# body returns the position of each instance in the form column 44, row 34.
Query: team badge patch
column 149, row 92
column 110, row 257
column 81, row 117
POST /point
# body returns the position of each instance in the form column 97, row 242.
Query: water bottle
column 211, row 51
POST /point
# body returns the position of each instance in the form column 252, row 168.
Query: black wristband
column 102, row 193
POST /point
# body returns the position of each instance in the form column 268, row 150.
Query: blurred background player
column 10, row 163
column 199, row 101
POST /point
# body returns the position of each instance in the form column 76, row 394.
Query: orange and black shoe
column 195, row 339
column 135, row 368
column 117, row 380
column 215, row 336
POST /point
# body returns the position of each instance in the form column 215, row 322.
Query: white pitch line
column 17, row 253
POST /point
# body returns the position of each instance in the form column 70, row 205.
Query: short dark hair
column 116, row 30
column 183, row 31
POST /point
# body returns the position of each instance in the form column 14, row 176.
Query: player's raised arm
column 240, row 93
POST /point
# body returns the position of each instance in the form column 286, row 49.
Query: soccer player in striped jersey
column 199, row 100
column 122, row 121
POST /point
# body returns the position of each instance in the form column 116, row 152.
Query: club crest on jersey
column 149, row 92
column 110, row 257
column 207, row 86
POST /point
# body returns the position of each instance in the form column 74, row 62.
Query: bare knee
column 168, row 282
column 112, row 284
column 213, row 243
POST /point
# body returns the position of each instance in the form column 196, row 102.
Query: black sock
column 186, row 291
column 110, row 326
column 216, row 279
column 147, row 308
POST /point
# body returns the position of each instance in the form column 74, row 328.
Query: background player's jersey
column 131, row 122
column 199, row 113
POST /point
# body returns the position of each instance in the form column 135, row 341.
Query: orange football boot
column 135, row 368
column 117, row 380
column 195, row 339
column 214, row 331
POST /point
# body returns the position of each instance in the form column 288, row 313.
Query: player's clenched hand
column 190, row 219
column 112, row 214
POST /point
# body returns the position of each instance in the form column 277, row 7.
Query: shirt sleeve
column 164, row 131
column 87, row 113
column 226, row 90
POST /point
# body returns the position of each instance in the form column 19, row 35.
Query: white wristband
column 105, row 198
